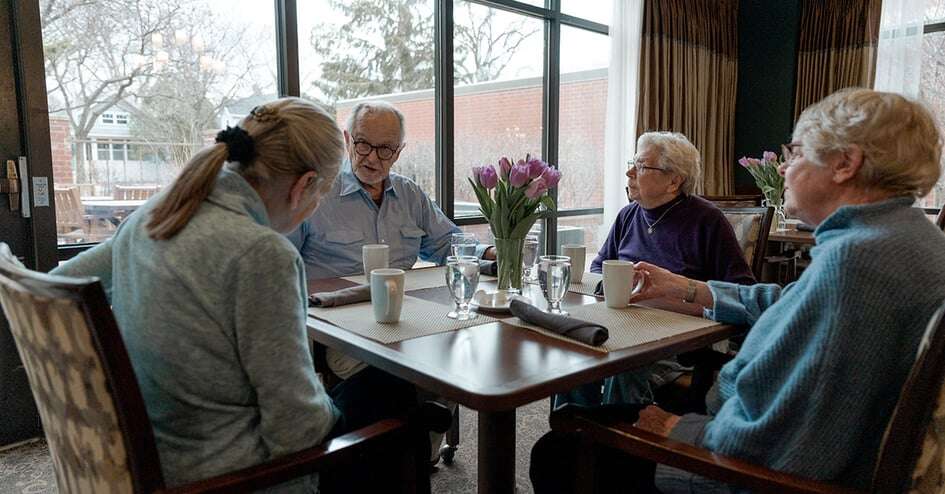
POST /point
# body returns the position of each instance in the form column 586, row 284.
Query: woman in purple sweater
column 668, row 226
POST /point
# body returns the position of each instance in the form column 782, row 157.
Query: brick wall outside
column 60, row 142
column 493, row 120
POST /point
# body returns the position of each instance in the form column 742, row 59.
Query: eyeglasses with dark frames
column 639, row 166
column 384, row 152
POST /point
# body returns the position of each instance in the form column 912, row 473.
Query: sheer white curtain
column 899, row 56
column 620, row 135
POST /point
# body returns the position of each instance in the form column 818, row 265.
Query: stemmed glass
column 554, row 276
column 463, row 244
column 529, row 256
column 462, row 278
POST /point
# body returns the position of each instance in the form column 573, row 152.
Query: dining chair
column 940, row 219
column 72, row 224
column 911, row 455
column 751, row 226
column 134, row 192
column 93, row 414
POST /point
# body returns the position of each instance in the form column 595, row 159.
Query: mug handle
column 639, row 285
column 391, row 287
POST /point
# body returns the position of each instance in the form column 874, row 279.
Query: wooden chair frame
column 143, row 460
column 900, row 450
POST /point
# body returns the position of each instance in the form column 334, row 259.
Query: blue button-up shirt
column 347, row 218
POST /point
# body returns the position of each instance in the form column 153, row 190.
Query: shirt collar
column 350, row 183
column 846, row 216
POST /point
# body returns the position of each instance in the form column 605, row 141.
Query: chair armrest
column 659, row 449
column 341, row 449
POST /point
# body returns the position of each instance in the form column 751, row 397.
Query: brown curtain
column 836, row 48
column 688, row 72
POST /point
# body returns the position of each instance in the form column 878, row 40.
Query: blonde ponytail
column 287, row 137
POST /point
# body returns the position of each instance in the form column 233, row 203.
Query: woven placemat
column 587, row 285
column 417, row 318
column 628, row 327
column 415, row 279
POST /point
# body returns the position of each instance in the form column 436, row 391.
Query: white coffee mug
column 387, row 294
column 619, row 283
column 576, row 253
column 374, row 256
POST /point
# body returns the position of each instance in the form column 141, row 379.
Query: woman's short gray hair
column 676, row 154
column 902, row 146
column 371, row 107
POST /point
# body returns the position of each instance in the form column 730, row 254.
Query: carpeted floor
column 27, row 469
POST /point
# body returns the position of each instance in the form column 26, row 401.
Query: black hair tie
column 239, row 144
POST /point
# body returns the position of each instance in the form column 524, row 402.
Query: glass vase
column 508, row 253
column 779, row 220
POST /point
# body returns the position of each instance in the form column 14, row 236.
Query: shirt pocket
column 410, row 237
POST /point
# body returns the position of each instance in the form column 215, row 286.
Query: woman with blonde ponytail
column 211, row 297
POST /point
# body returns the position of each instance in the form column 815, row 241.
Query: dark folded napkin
column 345, row 296
column 576, row 329
column 490, row 268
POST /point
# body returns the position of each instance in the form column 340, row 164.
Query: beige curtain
column 688, row 71
column 836, row 48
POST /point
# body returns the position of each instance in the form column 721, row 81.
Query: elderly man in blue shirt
column 369, row 204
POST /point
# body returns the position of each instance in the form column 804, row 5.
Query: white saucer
column 497, row 301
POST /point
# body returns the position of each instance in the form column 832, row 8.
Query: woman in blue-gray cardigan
column 816, row 380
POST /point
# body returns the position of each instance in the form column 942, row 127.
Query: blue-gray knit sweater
column 815, row 383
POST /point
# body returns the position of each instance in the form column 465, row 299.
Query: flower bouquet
column 512, row 199
column 769, row 180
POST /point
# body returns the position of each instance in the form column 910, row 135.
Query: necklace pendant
column 649, row 230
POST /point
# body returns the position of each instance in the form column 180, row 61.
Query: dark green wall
column 764, row 108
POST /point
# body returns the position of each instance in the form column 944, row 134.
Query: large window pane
column 497, row 97
column 585, row 56
column 932, row 91
column 375, row 49
column 592, row 10
column 158, row 76
column 935, row 12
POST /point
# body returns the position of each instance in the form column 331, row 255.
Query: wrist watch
column 690, row 292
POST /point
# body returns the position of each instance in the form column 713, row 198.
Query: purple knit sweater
column 693, row 239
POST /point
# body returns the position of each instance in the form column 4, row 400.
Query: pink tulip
column 769, row 156
column 744, row 161
column 536, row 167
column 536, row 188
column 754, row 161
column 551, row 177
column 476, row 174
column 488, row 178
column 506, row 166
column 518, row 176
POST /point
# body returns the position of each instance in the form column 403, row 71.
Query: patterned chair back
column 751, row 226
column 912, row 455
column 940, row 219
column 93, row 415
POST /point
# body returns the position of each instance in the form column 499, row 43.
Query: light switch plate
column 41, row 192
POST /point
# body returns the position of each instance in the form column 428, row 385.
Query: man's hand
column 657, row 420
column 489, row 254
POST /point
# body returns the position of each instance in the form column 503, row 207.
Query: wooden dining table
column 495, row 367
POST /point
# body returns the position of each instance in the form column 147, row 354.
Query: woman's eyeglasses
column 791, row 152
column 638, row 166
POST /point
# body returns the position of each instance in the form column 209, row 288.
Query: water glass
column 463, row 244
column 462, row 278
column 529, row 256
column 554, row 277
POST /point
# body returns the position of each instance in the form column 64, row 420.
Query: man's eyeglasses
column 638, row 166
column 791, row 152
column 364, row 148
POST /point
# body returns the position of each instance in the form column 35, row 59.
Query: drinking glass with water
column 529, row 256
column 554, row 277
column 463, row 244
column 462, row 278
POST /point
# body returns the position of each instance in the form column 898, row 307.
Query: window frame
column 287, row 53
